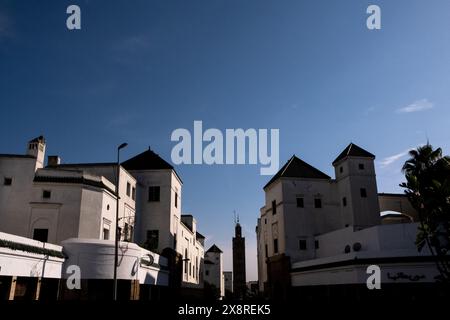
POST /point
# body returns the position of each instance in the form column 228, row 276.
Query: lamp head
column 123, row 145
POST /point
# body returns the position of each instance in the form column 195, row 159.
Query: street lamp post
column 117, row 237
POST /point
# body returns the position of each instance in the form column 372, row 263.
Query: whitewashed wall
column 28, row 264
column 96, row 261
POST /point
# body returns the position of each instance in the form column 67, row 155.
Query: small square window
column 344, row 201
column 302, row 244
column 363, row 192
column 318, row 203
column 40, row 235
column 153, row 193
column 46, row 194
column 361, row 166
column 7, row 181
column 300, row 202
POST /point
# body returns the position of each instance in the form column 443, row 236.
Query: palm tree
column 427, row 186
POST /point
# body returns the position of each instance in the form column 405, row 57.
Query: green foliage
column 427, row 186
column 28, row 248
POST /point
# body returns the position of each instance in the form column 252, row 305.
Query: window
column 363, row 192
column 302, row 244
column 361, row 166
column 46, row 194
column 316, row 244
column 107, row 207
column 265, row 221
column 175, row 241
column 341, row 169
column 267, row 251
column 176, row 200
column 7, row 181
column 344, row 201
column 186, row 261
column 196, row 267
column 274, row 207
column 133, row 193
column 275, row 246
column 152, row 239
column 300, row 202
column 206, row 272
column 128, row 232
column 153, row 194
column 128, row 189
column 40, row 235
column 317, row 203
column 105, row 234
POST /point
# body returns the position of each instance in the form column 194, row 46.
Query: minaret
column 239, row 279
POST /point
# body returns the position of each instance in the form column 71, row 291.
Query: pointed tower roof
column 214, row 249
column 297, row 168
column 352, row 150
column 148, row 160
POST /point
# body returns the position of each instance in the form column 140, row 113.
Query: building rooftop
column 17, row 156
column 352, row 150
column 148, row 160
column 214, row 248
column 400, row 195
column 98, row 164
column 297, row 168
column 64, row 176
column 199, row 235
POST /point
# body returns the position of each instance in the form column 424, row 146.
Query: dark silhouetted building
column 239, row 279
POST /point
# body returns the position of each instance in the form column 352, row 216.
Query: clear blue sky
column 137, row 70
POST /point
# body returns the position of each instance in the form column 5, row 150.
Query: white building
column 56, row 203
column 214, row 269
column 190, row 244
column 96, row 261
column 39, row 270
column 228, row 280
column 311, row 221
column 159, row 223
column 345, row 254
column 62, row 201
column 127, row 195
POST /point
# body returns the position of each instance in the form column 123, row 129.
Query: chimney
column 53, row 161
